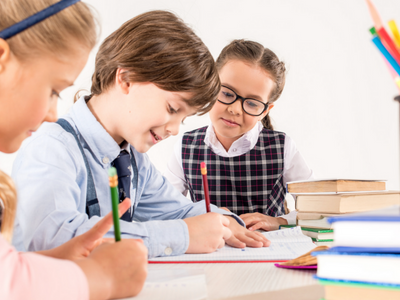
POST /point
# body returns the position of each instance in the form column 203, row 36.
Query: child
column 30, row 78
column 149, row 75
column 248, row 164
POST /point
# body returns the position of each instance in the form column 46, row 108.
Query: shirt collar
column 100, row 142
column 242, row 145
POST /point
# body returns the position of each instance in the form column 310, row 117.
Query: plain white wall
column 338, row 101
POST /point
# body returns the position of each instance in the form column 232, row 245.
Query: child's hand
column 82, row 245
column 242, row 237
column 116, row 270
column 256, row 221
column 207, row 232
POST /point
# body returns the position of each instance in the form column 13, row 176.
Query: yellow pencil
column 395, row 32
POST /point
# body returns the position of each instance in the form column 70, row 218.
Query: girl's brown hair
column 8, row 197
column 58, row 34
column 160, row 48
column 255, row 54
column 72, row 27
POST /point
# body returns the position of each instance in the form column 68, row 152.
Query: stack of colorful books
column 364, row 263
column 318, row 200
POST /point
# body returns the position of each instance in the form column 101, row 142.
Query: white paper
column 286, row 244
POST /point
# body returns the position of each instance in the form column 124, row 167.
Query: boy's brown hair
column 160, row 48
column 255, row 54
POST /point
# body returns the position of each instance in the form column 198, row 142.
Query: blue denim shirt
column 51, row 178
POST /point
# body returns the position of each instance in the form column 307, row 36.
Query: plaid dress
column 252, row 182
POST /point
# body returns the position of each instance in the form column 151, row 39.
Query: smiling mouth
column 230, row 122
column 156, row 137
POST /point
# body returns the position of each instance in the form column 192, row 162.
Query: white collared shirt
column 295, row 167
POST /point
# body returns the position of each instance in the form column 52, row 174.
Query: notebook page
column 286, row 244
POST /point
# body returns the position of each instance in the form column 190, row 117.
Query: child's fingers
column 251, row 221
column 266, row 242
column 104, row 225
column 234, row 242
column 260, row 225
column 251, row 242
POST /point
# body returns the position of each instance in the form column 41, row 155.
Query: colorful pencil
column 113, row 180
column 390, row 46
column 203, row 169
column 386, row 54
column 395, row 33
column 395, row 77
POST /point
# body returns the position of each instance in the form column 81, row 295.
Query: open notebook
column 286, row 244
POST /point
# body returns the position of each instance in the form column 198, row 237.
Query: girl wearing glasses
column 248, row 163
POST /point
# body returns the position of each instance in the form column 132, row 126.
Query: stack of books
column 365, row 260
column 320, row 237
column 318, row 200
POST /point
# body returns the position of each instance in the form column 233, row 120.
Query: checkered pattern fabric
column 252, row 182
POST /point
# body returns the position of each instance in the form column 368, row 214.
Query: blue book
column 382, row 268
column 373, row 231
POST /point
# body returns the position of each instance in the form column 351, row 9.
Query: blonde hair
column 8, row 196
column 55, row 35
column 158, row 47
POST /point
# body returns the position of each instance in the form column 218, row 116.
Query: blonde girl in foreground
column 36, row 64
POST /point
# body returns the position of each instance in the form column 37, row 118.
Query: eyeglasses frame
column 242, row 99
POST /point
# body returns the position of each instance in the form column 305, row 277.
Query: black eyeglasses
column 250, row 106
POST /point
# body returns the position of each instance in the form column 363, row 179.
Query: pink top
column 34, row 276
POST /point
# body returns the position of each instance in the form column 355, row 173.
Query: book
column 342, row 290
column 318, row 233
column 328, row 243
column 335, row 185
column 346, row 202
column 376, row 231
column 359, row 267
column 286, row 244
column 314, row 220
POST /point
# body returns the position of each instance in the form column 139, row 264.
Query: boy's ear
column 4, row 54
column 120, row 83
column 270, row 106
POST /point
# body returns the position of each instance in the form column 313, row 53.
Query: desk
column 226, row 281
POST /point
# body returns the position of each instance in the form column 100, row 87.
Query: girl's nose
column 235, row 108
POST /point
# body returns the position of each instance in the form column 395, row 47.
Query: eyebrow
column 255, row 97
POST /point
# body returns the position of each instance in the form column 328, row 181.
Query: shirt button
column 234, row 149
column 106, row 160
column 168, row 251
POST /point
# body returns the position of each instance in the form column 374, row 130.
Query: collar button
column 106, row 160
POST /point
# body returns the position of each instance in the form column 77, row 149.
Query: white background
column 338, row 101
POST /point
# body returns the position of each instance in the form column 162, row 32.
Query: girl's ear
column 4, row 54
column 270, row 106
column 120, row 83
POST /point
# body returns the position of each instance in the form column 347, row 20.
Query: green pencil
column 113, row 179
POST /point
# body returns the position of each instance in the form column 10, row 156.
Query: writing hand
column 256, row 221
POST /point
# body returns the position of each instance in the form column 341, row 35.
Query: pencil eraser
column 112, row 172
column 203, row 165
